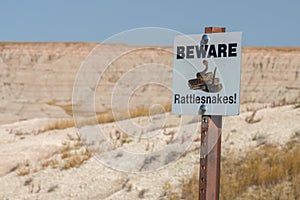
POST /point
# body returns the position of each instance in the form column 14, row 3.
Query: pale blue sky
column 263, row 22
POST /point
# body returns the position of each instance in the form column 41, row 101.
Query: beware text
column 207, row 51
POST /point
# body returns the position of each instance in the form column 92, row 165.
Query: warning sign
column 206, row 74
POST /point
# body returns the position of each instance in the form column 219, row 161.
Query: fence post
column 210, row 150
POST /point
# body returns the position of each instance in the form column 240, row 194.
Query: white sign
column 206, row 74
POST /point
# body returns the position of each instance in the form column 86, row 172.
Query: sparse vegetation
column 104, row 117
column 59, row 124
column 190, row 188
column 297, row 105
column 72, row 154
column 251, row 119
column 23, row 171
column 25, row 168
column 269, row 172
column 66, row 107
column 262, row 169
column 118, row 138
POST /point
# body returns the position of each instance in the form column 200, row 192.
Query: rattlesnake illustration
column 206, row 81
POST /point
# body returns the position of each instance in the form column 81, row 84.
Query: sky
column 262, row 22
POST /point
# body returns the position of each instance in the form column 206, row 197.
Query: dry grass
column 60, row 124
column 251, row 119
column 72, row 154
column 66, row 107
column 105, row 117
column 269, row 172
column 297, row 105
column 263, row 169
column 144, row 111
column 24, row 169
column 190, row 188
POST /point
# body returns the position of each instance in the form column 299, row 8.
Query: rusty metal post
column 210, row 150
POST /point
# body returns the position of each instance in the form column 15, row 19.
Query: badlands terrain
column 46, row 153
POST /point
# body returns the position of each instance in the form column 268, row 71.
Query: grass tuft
column 72, row 154
column 297, row 105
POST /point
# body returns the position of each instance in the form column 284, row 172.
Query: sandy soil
column 93, row 179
